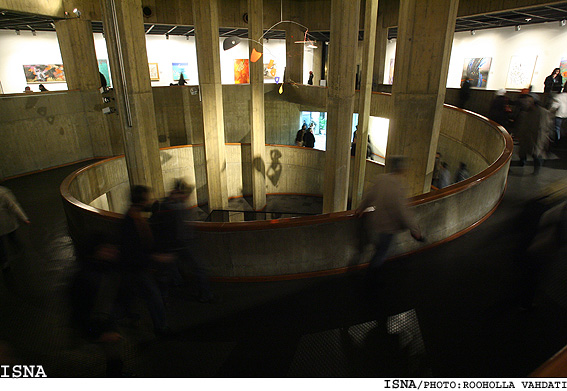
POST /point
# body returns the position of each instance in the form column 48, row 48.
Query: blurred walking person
column 11, row 215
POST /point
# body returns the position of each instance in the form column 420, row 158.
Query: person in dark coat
column 553, row 82
column 309, row 138
column 464, row 93
column 499, row 109
column 299, row 135
column 182, row 80
column 310, row 81
column 552, row 85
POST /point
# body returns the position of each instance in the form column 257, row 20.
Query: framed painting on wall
column 241, row 71
column 563, row 67
column 270, row 70
column 44, row 73
column 476, row 70
column 520, row 72
column 154, row 72
column 103, row 68
column 178, row 69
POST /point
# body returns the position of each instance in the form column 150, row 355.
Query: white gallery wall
column 547, row 41
column 25, row 49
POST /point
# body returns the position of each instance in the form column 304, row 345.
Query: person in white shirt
column 559, row 107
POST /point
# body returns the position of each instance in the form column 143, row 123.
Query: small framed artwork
column 178, row 69
column 154, row 72
column 44, row 73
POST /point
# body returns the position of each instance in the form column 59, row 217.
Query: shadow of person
column 275, row 169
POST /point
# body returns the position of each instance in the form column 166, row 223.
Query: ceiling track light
column 17, row 32
column 77, row 12
column 34, row 33
column 563, row 22
column 473, row 32
column 518, row 27
column 166, row 36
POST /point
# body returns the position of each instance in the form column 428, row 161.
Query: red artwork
column 241, row 71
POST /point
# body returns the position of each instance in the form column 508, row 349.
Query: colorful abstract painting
column 476, row 70
column 179, row 68
column 241, row 71
column 563, row 67
column 520, row 72
column 154, row 72
column 103, row 68
column 44, row 73
column 270, row 70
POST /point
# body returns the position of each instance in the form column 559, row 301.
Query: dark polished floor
column 451, row 311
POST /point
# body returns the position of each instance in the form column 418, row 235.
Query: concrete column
column 294, row 53
column 345, row 16
column 208, row 62
column 126, row 45
column 425, row 27
column 364, row 100
column 76, row 43
column 380, row 51
column 257, row 122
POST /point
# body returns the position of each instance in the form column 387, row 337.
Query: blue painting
column 476, row 70
column 178, row 68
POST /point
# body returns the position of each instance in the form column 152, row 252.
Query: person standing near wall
column 309, row 138
column 559, row 108
column 552, row 85
column 310, row 81
column 11, row 214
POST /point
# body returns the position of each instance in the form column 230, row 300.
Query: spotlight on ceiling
column 518, row 27
column 230, row 42
column 473, row 32
column 563, row 22
column 528, row 19
column 77, row 12
column 33, row 33
column 17, row 32
column 166, row 36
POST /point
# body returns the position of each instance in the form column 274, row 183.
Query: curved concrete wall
column 315, row 244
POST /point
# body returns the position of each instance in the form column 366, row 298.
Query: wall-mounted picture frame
column 241, row 71
column 179, row 68
column 520, row 72
column 154, row 71
column 44, row 73
column 476, row 70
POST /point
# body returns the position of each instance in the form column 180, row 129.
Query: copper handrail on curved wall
column 325, row 244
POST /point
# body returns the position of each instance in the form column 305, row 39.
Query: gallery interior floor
column 452, row 309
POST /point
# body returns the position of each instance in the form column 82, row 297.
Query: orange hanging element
column 255, row 56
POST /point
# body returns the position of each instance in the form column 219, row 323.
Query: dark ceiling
column 540, row 14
